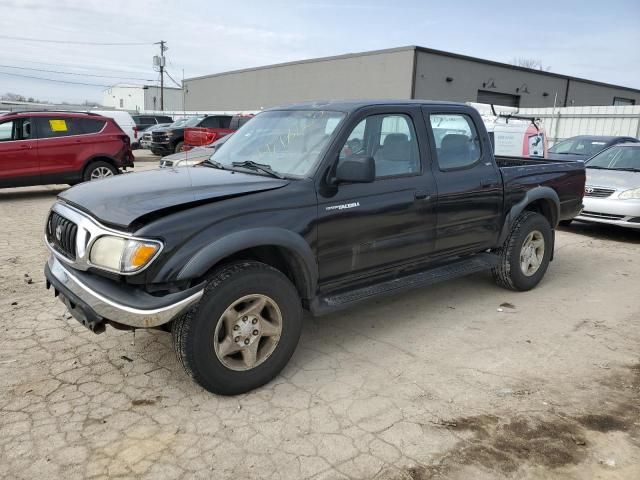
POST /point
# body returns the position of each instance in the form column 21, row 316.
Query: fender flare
column 537, row 193
column 235, row 242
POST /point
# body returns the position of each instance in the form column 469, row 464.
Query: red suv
column 38, row 148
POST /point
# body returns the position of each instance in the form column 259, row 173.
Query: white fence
column 565, row 122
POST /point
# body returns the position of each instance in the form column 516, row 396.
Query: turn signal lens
column 137, row 254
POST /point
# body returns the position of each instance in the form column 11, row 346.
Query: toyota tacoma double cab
column 312, row 207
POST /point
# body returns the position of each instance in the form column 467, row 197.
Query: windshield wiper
column 261, row 167
column 627, row 169
column 212, row 163
column 595, row 166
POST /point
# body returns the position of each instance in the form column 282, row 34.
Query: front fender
column 235, row 242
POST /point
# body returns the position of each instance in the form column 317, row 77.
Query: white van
column 124, row 121
column 512, row 135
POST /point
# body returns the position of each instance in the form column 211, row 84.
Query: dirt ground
column 461, row 380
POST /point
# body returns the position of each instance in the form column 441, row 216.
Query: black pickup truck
column 310, row 207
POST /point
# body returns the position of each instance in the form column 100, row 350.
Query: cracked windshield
column 288, row 142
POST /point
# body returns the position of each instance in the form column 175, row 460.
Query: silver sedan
column 612, row 191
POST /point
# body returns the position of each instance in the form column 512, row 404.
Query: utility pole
column 160, row 63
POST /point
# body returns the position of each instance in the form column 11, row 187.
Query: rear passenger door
column 59, row 146
column 470, row 194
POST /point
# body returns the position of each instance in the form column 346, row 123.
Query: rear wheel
column 525, row 254
column 179, row 147
column 99, row 170
column 244, row 330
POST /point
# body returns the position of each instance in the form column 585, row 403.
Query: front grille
column 61, row 234
column 604, row 216
column 159, row 137
column 598, row 192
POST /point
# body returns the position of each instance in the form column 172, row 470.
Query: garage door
column 496, row 98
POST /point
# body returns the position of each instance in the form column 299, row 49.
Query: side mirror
column 356, row 169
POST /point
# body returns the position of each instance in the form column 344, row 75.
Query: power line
column 68, row 42
column 60, row 81
column 72, row 65
column 74, row 73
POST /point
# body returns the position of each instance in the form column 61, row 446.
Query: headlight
column 123, row 255
column 630, row 194
column 169, row 134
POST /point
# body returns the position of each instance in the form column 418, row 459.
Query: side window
column 55, row 127
column 225, row 122
column 390, row 140
column 6, row 131
column 147, row 120
column 19, row 129
column 90, row 125
column 456, row 138
column 210, row 122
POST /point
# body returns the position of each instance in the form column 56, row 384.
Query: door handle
column 421, row 195
column 27, row 147
column 486, row 183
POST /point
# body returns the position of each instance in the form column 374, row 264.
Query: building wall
column 124, row 98
column 375, row 75
column 172, row 99
column 468, row 77
column 584, row 93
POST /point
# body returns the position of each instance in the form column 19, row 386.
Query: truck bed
column 566, row 178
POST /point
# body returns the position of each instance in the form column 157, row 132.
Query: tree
column 533, row 63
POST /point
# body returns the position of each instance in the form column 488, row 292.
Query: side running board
column 458, row 268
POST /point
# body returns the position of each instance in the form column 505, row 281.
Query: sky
column 589, row 39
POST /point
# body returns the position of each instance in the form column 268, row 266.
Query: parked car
column 312, row 207
column 194, row 156
column 584, row 147
column 145, row 135
column 171, row 139
column 612, row 191
column 124, row 121
column 38, row 148
column 142, row 124
column 201, row 136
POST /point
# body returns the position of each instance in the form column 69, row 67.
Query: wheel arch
column 99, row 158
column 542, row 200
column 280, row 248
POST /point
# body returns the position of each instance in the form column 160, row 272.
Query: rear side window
column 164, row 120
column 90, row 125
column 55, row 127
column 216, row 122
column 456, row 138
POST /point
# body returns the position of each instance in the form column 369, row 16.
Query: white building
column 142, row 97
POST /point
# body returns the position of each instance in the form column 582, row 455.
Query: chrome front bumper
column 92, row 307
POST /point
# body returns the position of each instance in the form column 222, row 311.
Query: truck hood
column 123, row 199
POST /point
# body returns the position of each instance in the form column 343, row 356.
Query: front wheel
column 244, row 330
column 525, row 254
column 179, row 147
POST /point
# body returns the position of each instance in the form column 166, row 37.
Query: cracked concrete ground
column 433, row 383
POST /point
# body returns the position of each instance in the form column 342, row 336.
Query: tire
column 197, row 335
column 98, row 170
column 179, row 147
column 565, row 223
column 510, row 273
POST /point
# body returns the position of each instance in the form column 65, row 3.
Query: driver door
column 370, row 227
